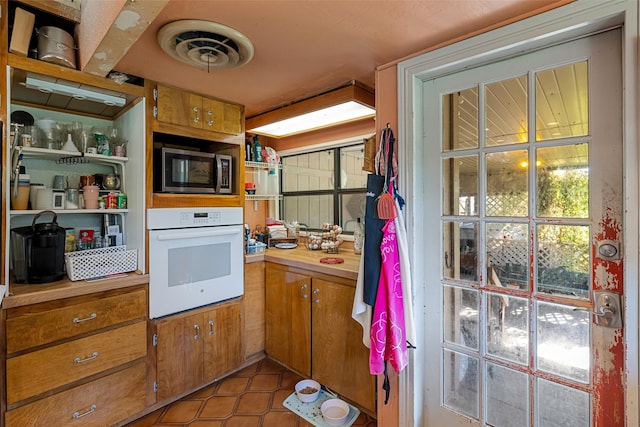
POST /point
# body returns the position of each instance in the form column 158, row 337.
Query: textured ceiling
column 307, row 47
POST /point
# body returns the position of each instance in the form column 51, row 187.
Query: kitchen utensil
column 60, row 182
column 286, row 245
column 331, row 260
column 69, row 145
column 385, row 204
column 38, row 251
column 111, row 182
column 22, row 117
column 56, row 46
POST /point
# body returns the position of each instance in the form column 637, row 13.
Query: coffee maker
column 37, row 251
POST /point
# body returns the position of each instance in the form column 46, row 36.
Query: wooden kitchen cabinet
column 288, row 318
column 340, row 359
column 179, row 107
column 197, row 347
column 78, row 359
column 254, row 310
column 309, row 329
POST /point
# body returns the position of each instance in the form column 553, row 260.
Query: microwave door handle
column 195, row 235
column 218, row 174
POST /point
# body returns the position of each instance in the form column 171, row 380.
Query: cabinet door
column 221, row 116
column 340, row 359
column 288, row 318
column 179, row 355
column 176, row 106
column 222, row 340
column 253, row 302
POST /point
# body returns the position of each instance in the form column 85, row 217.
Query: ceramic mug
column 60, row 182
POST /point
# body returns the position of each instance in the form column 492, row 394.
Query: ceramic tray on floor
column 311, row 411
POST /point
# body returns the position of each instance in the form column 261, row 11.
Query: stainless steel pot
column 56, row 46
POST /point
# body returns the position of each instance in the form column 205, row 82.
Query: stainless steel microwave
column 187, row 171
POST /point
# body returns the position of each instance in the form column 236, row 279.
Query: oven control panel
column 203, row 219
column 167, row 218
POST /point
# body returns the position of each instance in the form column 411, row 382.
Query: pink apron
column 388, row 335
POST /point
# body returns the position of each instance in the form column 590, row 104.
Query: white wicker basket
column 100, row 262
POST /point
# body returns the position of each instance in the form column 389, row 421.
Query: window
column 327, row 186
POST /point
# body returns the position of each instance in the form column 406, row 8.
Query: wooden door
column 179, row 355
column 288, row 318
column 340, row 359
column 222, row 337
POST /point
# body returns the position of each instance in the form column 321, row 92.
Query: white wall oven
column 195, row 258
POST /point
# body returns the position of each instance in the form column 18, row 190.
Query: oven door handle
column 195, row 234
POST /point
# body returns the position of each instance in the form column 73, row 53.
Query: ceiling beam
column 108, row 29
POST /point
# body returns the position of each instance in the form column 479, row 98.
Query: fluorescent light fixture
column 345, row 104
column 329, row 116
column 74, row 92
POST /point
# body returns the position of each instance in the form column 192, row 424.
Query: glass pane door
column 531, row 210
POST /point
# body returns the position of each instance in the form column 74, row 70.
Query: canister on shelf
column 111, row 201
column 121, row 201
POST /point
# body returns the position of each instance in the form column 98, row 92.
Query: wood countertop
column 303, row 258
column 25, row 294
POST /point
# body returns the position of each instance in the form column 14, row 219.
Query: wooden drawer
column 37, row 372
column 102, row 402
column 31, row 329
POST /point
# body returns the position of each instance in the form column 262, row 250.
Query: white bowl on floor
column 304, row 390
column 335, row 412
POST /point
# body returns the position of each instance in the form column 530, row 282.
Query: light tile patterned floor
column 249, row 398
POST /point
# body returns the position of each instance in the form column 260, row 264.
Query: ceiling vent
column 205, row 44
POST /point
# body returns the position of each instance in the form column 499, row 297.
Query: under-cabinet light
column 342, row 105
column 74, row 92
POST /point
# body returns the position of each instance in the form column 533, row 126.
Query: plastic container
column 258, row 248
column 257, row 149
column 91, row 194
column 273, row 186
column 20, row 200
column 261, row 182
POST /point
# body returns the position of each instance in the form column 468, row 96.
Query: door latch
column 608, row 250
column 607, row 309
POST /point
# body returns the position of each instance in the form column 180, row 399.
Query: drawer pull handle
column 210, row 327
column 79, row 414
column 79, row 320
column 86, row 359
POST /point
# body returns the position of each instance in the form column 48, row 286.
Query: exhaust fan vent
column 205, row 44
